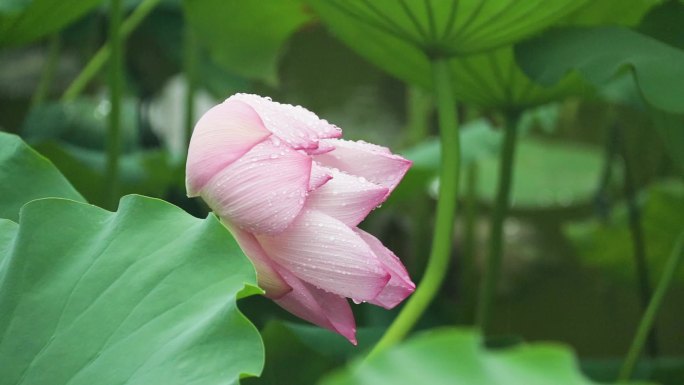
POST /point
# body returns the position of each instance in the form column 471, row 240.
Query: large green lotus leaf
column 26, row 175
column 608, row 244
column 493, row 79
column 245, row 36
column 602, row 52
column 546, row 174
column 8, row 231
column 146, row 295
column 38, row 18
column 460, row 28
column 457, row 357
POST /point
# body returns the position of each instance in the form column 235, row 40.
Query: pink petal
column 319, row 307
column 267, row 274
column 221, row 136
column 326, row 253
column 400, row 285
column 297, row 126
column 347, row 198
column 321, row 149
column 263, row 191
column 375, row 163
column 319, row 176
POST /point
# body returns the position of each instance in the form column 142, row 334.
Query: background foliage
column 594, row 89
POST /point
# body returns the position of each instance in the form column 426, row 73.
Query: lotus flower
column 292, row 193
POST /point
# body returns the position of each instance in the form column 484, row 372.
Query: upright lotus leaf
column 245, row 37
column 602, row 52
column 145, row 295
column 457, row 356
column 384, row 30
column 26, row 175
column 493, row 79
column 32, row 20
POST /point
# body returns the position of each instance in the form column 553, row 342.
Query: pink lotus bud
column 292, row 194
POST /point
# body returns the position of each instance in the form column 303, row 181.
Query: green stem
column 637, row 235
column 491, row 273
column 102, row 55
column 649, row 316
column 467, row 265
column 49, row 71
column 438, row 262
column 419, row 106
column 116, row 91
column 190, row 67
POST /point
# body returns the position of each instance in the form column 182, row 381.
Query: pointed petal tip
column 352, row 338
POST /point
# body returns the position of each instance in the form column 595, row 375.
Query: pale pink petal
column 267, row 274
column 400, row 285
column 222, row 135
column 375, row 163
column 326, row 253
column 263, row 191
column 319, row 307
column 321, row 149
column 319, row 176
column 297, row 126
column 347, row 198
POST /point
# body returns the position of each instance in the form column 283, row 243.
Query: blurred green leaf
column 454, row 356
column 663, row 370
column 82, row 122
column 287, row 344
column 665, row 23
column 610, row 12
column 26, row 175
column 147, row 172
column 546, row 174
column 545, row 118
column 460, row 28
column 478, row 141
column 245, row 37
column 671, row 130
column 145, row 295
column 13, row 6
column 609, row 245
column 601, row 53
column 285, row 353
column 40, row 18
